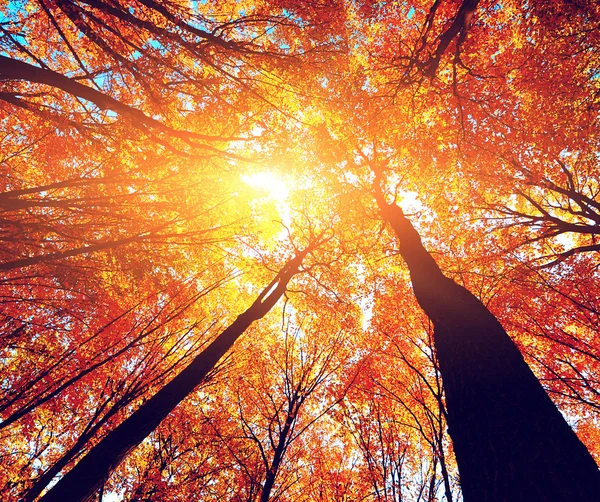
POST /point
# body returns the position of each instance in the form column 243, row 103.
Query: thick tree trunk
column 511, row 442
column 83, row 481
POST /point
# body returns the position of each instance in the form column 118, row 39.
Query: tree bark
column 82, row 482
column 511, row 442
column 282, row 445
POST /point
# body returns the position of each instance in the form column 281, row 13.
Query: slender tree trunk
column 83, row 481
column 511, row 442
column 279, row 452
column 433, row 480
column 444, row 470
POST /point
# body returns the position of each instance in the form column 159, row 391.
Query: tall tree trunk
column 282, row 444
column 83, row 481
column 511, row 442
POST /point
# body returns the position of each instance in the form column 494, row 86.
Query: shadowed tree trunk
column 82, row 482
column 282, row 445
column 511, row 442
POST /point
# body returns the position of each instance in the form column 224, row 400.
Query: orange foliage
column 130, row 235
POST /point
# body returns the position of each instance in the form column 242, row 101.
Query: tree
column 161, row 160
column 264, row 425
column 511, row 442
column 86, row 478
column 396, row 413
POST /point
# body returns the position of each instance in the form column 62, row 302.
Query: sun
column 273, row 188
column 272, row 184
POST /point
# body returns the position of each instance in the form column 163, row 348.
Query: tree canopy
column 170, row 169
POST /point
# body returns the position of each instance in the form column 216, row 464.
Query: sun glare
column 274, row 187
